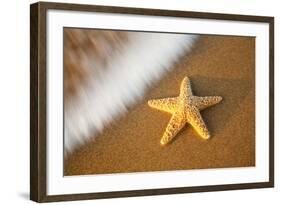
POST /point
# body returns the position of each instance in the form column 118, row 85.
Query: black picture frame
column 38, row 103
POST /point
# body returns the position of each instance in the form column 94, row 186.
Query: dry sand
column 218, row 65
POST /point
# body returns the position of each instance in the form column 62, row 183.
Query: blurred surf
column 130, row 64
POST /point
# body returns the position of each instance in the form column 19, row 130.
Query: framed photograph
column 134, row 102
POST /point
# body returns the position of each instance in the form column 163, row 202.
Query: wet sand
column 217, row 65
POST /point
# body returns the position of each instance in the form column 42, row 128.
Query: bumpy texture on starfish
column 184, row 109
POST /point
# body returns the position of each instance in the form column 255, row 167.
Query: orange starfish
column 184, row 109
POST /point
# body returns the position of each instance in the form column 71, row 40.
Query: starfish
column 184, row 109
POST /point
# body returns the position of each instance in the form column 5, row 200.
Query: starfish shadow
column 218, row 117
column 233, row 92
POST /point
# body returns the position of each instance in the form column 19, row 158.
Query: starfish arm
column 205, row 102
column 174, row 126
column 185, row 88
column 165, row 104
column 194, row 118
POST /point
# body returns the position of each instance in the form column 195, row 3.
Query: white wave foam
column 139, row 63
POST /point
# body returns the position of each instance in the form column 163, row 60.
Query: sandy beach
column 218, row 65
